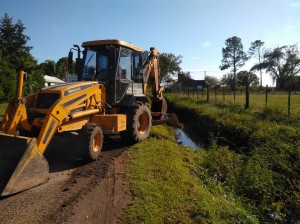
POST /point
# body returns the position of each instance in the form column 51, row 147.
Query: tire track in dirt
column 75, row 192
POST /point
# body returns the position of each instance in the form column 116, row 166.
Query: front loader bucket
column 22, row 166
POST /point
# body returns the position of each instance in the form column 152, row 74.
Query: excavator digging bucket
column 159, row 106
column 169, row 119
column 22, row 166
column 160, row 116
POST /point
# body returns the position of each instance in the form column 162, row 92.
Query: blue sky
column 195, row 29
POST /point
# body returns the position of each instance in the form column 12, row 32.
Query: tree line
column 15, row 55
column 281, row 63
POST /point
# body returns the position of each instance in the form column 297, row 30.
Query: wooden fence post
column 207, row 93
column 215, row 94
column 289, row 103
column 266, row 95
column 247, row 97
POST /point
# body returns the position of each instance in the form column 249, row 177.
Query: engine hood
column 68, row 88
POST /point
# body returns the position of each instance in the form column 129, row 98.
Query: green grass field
column 277, row 101
column 257, row 101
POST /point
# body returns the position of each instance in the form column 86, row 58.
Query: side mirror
column 70, row 61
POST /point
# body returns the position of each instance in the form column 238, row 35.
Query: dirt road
column 76, row 191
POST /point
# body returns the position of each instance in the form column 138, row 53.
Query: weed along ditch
column 252, row 158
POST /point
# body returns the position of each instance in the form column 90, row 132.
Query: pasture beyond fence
column 287, row 102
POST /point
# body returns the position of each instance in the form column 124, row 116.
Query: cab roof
column 113, row 42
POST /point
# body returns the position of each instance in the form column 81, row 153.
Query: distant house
column 51, row 80
column 191, row 85
column 186, row 83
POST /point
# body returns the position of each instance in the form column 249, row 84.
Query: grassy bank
column 2, row 108
column 170, row 185
column 259, row 162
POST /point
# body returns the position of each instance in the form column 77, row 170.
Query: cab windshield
column 95, row 65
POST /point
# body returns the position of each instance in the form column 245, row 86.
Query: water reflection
column 184, row 139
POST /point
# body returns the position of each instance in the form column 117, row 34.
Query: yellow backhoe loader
column 109, row 98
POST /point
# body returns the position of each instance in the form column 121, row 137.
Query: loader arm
column 15, row 114
column 22, row 163
column 16, row 111
column 60, row 114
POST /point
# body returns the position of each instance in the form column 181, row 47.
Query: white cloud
column 295, row 4
column 206, row 44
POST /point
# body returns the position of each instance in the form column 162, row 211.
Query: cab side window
column 90, row 65
column 125, row 68
column 102, row 65
column 137, row 68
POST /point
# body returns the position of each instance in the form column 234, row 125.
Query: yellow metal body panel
column 111, row 123
column 20, row 84
column 108, row 42
column 15, row 114
column 73, row 125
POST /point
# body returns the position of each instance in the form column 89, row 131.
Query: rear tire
column 139, row 122
column 91, row 141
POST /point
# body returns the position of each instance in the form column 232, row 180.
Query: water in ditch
column 185, row 138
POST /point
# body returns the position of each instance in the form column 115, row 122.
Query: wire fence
column 287, row 102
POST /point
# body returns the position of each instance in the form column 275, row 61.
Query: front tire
column 91, row 141
column 139, row 122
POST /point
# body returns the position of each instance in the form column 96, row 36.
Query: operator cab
column 115, row 64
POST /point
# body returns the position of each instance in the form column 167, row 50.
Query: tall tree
column 256, row 50
column 233, row 57
column 212, row 80
column 62, row 68
column 49, row 67
column 13, row 41
column 7, row 82
column 169, row 66
column 184, row 76
column 15, row 55
column 245, row 78
column 228, row 79
column 282, row 63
